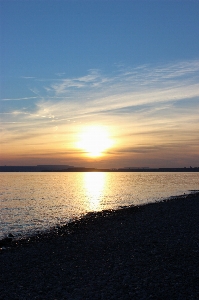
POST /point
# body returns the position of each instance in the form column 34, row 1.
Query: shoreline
column 141, row 252
column 11, row 241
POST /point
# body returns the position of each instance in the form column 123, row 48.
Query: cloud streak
column 18, row 99
column 156, row 103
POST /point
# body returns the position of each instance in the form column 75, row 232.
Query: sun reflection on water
column 94, row 184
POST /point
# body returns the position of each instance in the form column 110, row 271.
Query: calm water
column 31, row 202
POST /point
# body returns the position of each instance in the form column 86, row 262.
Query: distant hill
column 66, row 168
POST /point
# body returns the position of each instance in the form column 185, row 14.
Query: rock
column 10, row 235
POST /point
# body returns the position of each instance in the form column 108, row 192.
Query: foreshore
column 145, row 252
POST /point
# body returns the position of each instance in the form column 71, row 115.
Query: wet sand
column 146, row 252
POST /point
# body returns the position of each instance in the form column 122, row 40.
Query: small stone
column 10, row 235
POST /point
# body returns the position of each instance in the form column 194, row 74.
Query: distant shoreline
column 82, row 169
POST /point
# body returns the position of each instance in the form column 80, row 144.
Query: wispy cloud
column 95, row 93
column 158, row 104
column 92, row 80
column 18, row 99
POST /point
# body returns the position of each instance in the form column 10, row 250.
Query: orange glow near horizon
column 94, row 140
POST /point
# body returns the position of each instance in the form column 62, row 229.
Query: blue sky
column 129, row 66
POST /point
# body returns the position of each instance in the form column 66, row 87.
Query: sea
column 35, row 202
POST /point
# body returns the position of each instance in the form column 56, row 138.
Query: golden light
column 94, row 184
column 94, row 140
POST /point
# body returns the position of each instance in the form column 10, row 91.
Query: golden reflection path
column 94, row 184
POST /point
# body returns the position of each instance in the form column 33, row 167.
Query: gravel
column 146, row 252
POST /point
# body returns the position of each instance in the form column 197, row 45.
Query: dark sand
column 146, row 252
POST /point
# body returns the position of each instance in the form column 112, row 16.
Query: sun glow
column 94, row 140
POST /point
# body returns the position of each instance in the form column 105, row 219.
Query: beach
column 143, row 252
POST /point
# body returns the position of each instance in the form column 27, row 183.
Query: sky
column 106, row 84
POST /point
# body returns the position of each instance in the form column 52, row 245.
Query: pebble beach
column 142, row 252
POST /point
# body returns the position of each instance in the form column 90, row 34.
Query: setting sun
column 94, row 140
